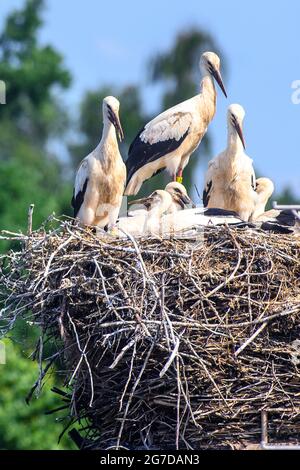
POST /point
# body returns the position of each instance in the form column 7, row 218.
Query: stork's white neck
column 234, row 143
column 207, row 85
column 109, row 131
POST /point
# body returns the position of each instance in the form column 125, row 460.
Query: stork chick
column 147, row 222
column 264, row 190
column 230, row 181
column 168, row 141
column 101, row 177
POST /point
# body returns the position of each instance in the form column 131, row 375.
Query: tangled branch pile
column 167, row 343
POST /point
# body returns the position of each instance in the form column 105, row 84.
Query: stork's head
column 159, row 199
column 111, row 108
column 235, row 116
column 179, row 194
column 210, row 64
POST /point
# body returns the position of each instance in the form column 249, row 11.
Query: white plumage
column 194, row 219
column 100, row 179
column 171, row 124
column 146, row 222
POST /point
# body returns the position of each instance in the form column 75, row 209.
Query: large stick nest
column 167, row 344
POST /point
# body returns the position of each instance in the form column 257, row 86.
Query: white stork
column 230, row 181
column 101, row 177
column 147, row 222
column 168, row 141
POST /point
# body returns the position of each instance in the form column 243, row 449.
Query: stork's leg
column 112, row 219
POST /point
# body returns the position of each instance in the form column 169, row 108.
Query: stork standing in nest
column 168, row 141
column 230, row 181
column 101, row 177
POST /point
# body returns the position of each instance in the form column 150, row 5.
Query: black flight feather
column 214, row 212
column 206, row 194
column 140, row 153
column 78, row 200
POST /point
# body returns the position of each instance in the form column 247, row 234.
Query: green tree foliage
column 31, row 117
column 31, row 72
column 29, row 173
column 25, row 426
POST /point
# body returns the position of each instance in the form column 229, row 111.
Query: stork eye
column 177, row 190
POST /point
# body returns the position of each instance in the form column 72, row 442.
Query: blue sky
column 111, row 42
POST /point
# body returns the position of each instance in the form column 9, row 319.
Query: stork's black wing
column 215, row 212
column 287, row 218
column 78, row 198
column 140, row 152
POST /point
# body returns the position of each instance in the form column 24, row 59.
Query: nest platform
column 166, row 343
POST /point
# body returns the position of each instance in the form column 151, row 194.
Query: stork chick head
column 178, row 193
column 111, row 107
column 264, row 186
column 210, row 64
column 235, row 117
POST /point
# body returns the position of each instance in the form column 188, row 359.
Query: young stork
column 230, row 181
column 101, row 177
column 147, row 222
column 168, row 141
column 264, row 190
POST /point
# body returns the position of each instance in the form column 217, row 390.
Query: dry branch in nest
column 167, row 344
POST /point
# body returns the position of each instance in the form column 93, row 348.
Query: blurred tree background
column 32, row 121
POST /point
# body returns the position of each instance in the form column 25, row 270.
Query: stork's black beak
column 239, row 130
column 115, row 120
column 218, row 77
column 186, row 200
